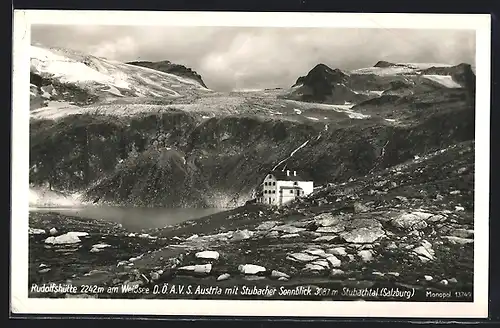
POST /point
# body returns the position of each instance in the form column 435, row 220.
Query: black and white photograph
column 248, row 163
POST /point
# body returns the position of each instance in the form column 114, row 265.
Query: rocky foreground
column 405, row 233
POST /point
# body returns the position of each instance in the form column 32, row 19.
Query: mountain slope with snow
column 323, row 84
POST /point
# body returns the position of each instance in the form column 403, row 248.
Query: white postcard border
column 21, row 304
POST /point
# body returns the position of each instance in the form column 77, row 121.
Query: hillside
column 127, row 134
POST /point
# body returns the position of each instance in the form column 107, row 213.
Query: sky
column 230, row 58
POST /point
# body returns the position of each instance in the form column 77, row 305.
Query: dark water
column 134, row 218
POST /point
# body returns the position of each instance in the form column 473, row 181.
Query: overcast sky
column 254, row 57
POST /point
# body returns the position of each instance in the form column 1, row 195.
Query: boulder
column 333, row 261
column 315, row 251
column 340, row 251
column 67, row 238
column 336, row 272
column 288, row 229
column 279, row 274
column 198, row 268
column 208, row 255
column 331, row 229
column 366, row 255
column 325, row 238
column 302, row 257
column 251, row 268
column 268, row 225
column 364, row 223
column 33, row 231
column 462, row 233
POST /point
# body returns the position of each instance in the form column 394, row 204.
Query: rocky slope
column 165, row 140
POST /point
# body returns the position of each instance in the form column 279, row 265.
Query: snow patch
column 313, row 118
column 297, row 111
